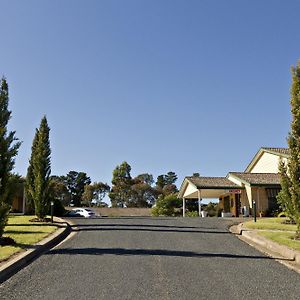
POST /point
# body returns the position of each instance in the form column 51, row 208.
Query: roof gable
column 280, row 152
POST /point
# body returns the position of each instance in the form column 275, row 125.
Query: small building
column 260, row 182
column 18, row 202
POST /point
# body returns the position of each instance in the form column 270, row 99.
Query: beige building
column 260, row 182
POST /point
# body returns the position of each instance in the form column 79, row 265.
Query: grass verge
column 282, row 238
column 25, row 234
column 270, row 224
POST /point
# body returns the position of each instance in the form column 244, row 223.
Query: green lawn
column 25, row 233
column 278, row 231
column 283, row 238
column 270, row 224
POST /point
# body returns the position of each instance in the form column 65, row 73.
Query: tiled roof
column 258, row 178
column 212, row 182
column 285, row 151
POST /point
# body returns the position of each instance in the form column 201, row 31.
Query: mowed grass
column 270, row 224
column 24, row 233
column 278, row 232
column 283, row 238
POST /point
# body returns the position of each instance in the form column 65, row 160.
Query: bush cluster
column 167, row 206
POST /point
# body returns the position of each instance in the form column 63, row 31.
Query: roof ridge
column 205, row 176
column 274, row 148
column 255, row 173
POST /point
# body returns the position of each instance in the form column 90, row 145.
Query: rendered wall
column 268, row 163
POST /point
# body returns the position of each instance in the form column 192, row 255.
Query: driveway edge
column 284, row 254
column 21, row 260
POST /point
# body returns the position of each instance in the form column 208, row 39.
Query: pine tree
column 289, row 197
column 75, row 183
column 161, row 181
column 170, row 178
column 9, row 146
column 38, row 173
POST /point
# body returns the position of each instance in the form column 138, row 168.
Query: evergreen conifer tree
column 289, row 196
column 29, row 184
column 8, row 150
column 39, row 170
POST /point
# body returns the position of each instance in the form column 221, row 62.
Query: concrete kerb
column 236, row 229
column 283, row 254
column 21, row 260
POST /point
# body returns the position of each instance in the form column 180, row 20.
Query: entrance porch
column 221, row 188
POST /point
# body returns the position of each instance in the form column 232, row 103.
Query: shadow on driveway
column 147, row 230
column 149, row 252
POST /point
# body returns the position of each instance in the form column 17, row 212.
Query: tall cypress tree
column 29, row 184
column 8, row 150
column 289, row 197
column 39, row 170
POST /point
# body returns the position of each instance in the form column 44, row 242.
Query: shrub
column 4, row 210
column 192, row 214
column 167, row 206
column 273, row 212
column 212, row 209
column 192, row 205
column 282, row 215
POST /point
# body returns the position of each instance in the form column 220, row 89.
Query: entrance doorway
column 227, row 204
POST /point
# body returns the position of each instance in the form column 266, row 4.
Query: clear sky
column 188, row 86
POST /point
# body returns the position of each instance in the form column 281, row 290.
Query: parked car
column 72, row 213
column 84, row 212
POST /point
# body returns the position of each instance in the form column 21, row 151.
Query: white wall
column 268, row 163
column 189, row 190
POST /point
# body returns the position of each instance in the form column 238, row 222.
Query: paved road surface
column 145, row 258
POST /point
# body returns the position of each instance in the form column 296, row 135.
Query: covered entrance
column 221, row 188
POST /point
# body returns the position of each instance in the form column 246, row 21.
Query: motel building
column 260, row 182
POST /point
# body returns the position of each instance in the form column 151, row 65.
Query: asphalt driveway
column 153, row 258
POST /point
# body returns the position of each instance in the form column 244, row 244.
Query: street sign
column 235, row 191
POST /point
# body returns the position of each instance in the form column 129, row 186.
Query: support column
column 24, row 201
column 199, row 202
column 183, row 207
column 258, row 205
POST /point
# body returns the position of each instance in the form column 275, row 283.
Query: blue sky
column 188, row 86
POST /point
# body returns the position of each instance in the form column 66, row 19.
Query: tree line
column 139, row 191
column 76, row 188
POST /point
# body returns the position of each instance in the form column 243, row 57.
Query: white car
column 84, row 212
